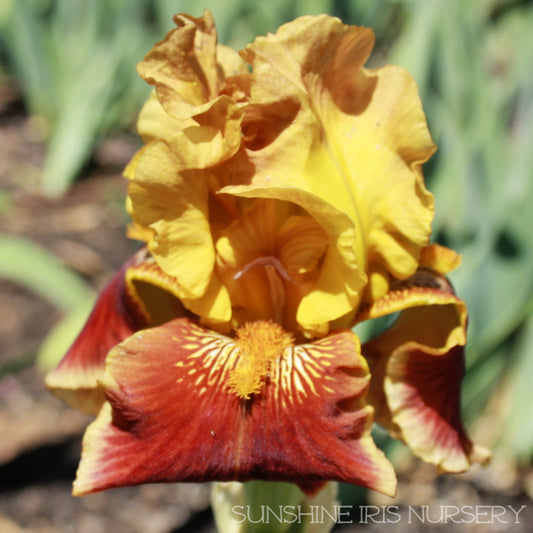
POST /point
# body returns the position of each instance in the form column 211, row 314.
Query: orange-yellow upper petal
column 310, row 126
column 183, row 66
column 192, row 108
column 174, row 205
column 354, row 146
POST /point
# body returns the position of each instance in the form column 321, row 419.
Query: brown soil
column 40, row 443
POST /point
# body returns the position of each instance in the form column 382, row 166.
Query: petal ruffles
column 311, row 126
column 357, row 143
column 172, row 416
column 268, row 260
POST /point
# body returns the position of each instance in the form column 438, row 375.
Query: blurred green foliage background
column 74, row 61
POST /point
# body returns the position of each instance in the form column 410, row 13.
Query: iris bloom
column 281, row 201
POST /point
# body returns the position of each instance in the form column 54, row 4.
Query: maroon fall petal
column 172, row 417
column 114, row 317
column 423, row 391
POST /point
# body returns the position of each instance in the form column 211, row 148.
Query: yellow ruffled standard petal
column 192, row 109
column 390, row 143
column 356, row 141
column 155, row 123
column 174, row 206
column 194, row 145
column 183, row 66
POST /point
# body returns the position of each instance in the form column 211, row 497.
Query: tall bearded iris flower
column 281, row 201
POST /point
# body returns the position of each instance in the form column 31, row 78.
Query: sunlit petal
column 336, row 290
column 176, row 210
column 423, row 394
column 302, row 244
column 183, row 66
column 354, row 146
column 307, row 423
column 439, row 259
column 189, row 109
column 430, row 312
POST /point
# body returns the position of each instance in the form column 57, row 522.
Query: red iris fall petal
column 423, row 393
column 172, row 417
column 417, row 367
column 114, row 317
